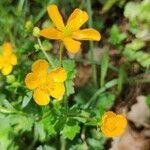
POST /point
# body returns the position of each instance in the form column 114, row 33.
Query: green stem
column 61, row 64
column 13, row 111
column 48, row 57
column 66, row 100
column 60, row 53
column 101, row 90
column 63, row 143
column 82, row 116
column 142, row 78
column 96, row 63
column 90, row 23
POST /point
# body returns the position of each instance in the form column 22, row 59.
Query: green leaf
column 21, row 123
column 70, row 131
column 60, row 123
column 148, row 101
column 6, row 141
column 108, row 5
column 84, row 94
column 70, row 87
column 49, row 127
column 106, row 101
column 26, row 99
column 104, row 67
column 69, row 65
column 135, row 45
column 116, row 37
column 39, row 131
column 97, row 140
column 131, row 10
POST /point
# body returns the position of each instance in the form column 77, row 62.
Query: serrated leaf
column 70, row 131
column 106, row 100
column 135, row 45
column 69, row 65
column 21, row 123
column 70, row 87
column 49, row 127
column 116, row 37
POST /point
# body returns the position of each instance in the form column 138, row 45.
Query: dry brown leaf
column 83, row 75
column 131, row 140
column 140, row 113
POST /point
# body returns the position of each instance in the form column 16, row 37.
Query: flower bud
column 28, row 26
column 36, row 31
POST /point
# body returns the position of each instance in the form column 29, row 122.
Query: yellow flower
column 69, row 33
column 7, row 59
column 45, row 84
column 112, row 124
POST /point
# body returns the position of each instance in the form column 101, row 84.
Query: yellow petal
column 31, row 81
column 71, row 45
column 13, row 59
column 51, row 33
column 77, row 19
column 113, row 125
column 7, row 69
column 41, row 96
column 57, row 91
column 40, row 66
column 122, row 121
column 119, row 126
column 108, row 115
column 1, row 62
column 55, row 16
column 7, row 48
column 87, row 34
column 58, row 75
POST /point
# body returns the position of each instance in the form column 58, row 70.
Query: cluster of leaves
column 138, row 27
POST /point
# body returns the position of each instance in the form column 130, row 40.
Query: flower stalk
column 61, row 53
column 90, row 23
column 42, row 49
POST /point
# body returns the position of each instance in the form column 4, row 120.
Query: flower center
column 67, row 31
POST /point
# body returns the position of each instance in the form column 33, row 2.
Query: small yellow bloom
column 7, row 59
column 69, row 33
column 112, row 124
column 45, row 84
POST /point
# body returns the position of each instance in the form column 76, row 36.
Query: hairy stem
column 48, row 57
column 60, row 53
column 90, row 23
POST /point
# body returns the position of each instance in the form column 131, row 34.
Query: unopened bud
column 36, row 31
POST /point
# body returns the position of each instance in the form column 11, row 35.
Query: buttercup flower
column 112, row 124
column 7, row 59
column 69, row 33
column 45, row 84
